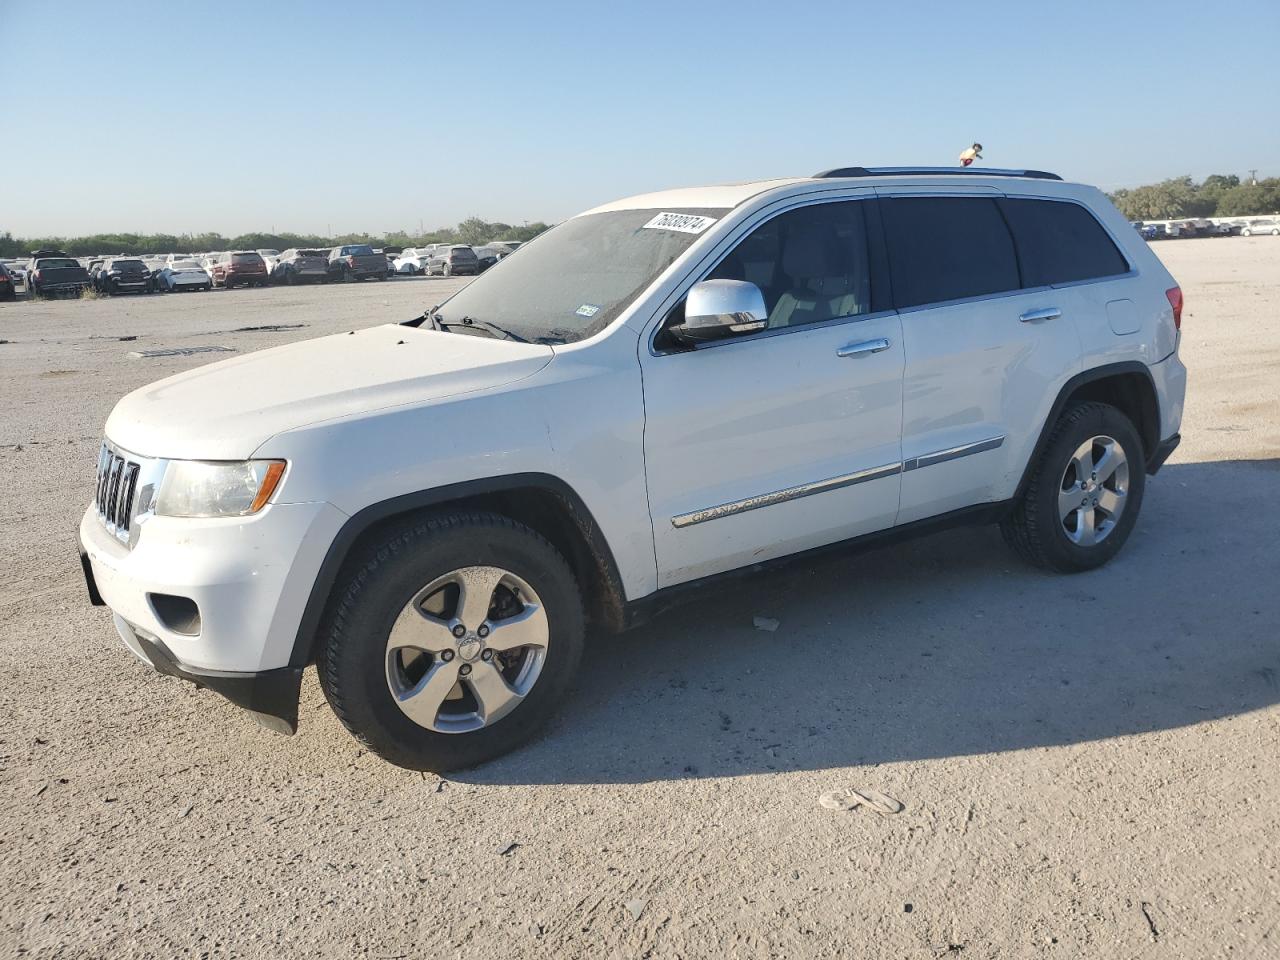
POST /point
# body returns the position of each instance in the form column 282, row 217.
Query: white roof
column 733, row 194
column 723, row 195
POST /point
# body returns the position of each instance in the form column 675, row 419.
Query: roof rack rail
column 933, row 172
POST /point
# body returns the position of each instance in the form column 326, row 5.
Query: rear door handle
column 864, row 347
column 1046, row 313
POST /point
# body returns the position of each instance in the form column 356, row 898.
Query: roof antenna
column 971, row 154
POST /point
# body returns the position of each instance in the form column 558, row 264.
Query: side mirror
column 716, row 309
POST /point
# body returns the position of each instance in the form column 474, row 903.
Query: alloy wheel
column 467, row 649
column 1093, row 491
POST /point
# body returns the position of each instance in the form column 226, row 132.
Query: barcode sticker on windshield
column 680, row 222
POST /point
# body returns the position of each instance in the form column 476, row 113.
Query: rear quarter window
column 947, row 248
column 1060, row 242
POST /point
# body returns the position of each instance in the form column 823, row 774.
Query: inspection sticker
column 587, row 310
column 680, row 222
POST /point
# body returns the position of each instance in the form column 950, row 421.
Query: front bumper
column 249, row 579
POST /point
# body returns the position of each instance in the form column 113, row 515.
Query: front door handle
column 864, row 347
column 1046, row 313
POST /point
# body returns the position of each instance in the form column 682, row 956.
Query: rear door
column 983, row 356
column 786, row 439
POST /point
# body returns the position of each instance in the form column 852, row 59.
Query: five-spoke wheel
column 467, row 649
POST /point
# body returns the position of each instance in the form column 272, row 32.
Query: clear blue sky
column 359, row 115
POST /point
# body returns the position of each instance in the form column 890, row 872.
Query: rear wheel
column 452, row 641
column 1084, row 493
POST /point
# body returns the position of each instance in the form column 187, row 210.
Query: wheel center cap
column 469, row 648
column 1088, row 486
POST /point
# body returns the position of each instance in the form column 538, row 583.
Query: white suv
column 657, row 392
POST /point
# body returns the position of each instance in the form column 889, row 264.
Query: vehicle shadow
column 940, row 647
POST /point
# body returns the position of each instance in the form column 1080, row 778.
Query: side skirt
column 645, row 609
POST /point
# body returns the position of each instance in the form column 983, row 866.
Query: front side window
column 1059, row 242
column 811, row 264
column 947, row 248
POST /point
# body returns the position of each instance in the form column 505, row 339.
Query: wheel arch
column 543, row 502
column 1128, row 386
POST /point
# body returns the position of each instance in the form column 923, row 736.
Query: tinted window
column 245, row 258
column 1059, row 242
column 360, row 250
column 946, row 248
column 810, row 264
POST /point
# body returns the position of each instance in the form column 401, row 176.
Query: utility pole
column 1253, row 178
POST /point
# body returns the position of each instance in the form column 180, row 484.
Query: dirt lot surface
column 1088, row 764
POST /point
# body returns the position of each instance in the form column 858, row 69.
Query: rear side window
column 1059, row 242
column 947, row 248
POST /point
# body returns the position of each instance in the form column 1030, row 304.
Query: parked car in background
column 509, row 246
column 269, row 258
column 182, row 275
column 8, row 285
column 124, row 275
column 301, row 266
column 1260, row 227
column 412, row 260
column 17, row 270
column 453, row 260
column 486, row 257
column 239, row 268
column 356, row 261
column 51, row 273
column 208, row 263
column 1148, row 231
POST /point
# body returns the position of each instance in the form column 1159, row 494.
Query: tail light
column 1175, row 300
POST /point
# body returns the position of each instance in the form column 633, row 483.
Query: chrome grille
column 117, row 490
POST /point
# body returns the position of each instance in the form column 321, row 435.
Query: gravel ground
column 1087, row 764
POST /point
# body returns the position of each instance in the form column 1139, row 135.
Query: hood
column 226, row 410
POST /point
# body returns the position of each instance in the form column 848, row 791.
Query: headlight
column 194, row 488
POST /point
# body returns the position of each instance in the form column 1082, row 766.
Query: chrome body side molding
column 832, row 483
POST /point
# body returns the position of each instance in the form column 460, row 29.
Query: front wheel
column 1084, row 493
column 451, row 641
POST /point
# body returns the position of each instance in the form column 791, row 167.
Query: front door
column 789, row 438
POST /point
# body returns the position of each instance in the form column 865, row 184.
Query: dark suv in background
column 124, row 275
column 301, row 266
column 456, row 260
column 356, row 261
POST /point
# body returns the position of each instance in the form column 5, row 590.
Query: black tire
column 370, row 595
column 446, row 269
column 1035, row 529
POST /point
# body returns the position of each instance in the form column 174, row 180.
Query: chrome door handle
column 866, row 346
column 1046, row 313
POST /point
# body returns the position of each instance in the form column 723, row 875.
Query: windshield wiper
column 442, row 324
column 427, row 315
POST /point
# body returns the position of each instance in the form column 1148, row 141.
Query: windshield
column 185, row 265
column 573, row 280
column 245, row 258
column 361, row 251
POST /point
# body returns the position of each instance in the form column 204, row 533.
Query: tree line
column 472, row 231
column 1219, row 195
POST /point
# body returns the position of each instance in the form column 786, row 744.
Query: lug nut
column 459, row 631
column 464, row 669
column 486, row 655
column 446, row 655
column 483, row 631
